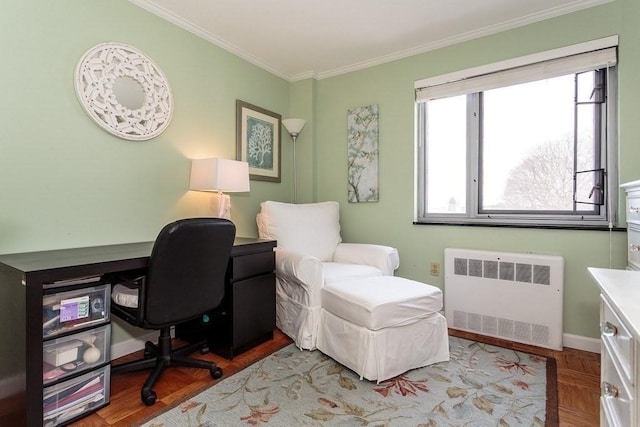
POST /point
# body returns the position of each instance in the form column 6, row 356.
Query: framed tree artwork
column 258, row 141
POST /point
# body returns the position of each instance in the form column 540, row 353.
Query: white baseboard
column 134, row 344
column 581, row 343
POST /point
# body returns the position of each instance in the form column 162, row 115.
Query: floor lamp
column 294, row 127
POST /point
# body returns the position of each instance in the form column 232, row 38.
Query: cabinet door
column 616, row 398
column 254, row 310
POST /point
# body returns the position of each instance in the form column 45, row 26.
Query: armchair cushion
column 311, row 229
column 384, row 258
column 335, row 272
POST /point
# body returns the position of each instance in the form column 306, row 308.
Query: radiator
column 514, row 296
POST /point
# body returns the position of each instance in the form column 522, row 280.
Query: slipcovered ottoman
column 381, row 327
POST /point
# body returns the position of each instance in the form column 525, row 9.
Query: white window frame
column 488, row 77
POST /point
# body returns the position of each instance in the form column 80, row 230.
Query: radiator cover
column 513, row 296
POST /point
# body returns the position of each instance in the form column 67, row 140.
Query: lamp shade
column 294, row 126
column 222, row 175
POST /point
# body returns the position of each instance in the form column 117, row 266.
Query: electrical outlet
column 435, row 269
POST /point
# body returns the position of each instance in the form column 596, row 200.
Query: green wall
column 64, row 182
column 390, row 220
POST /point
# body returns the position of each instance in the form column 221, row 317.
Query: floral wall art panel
column 362, row 156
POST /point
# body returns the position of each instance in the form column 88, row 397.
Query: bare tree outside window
column 543, row 180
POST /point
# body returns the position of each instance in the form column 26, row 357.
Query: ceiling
column 298, row 39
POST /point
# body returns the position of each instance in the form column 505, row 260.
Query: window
column 526, row 145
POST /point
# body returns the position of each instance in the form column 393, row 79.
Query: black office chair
column 184, row 280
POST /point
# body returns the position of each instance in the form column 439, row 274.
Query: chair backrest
column 310, row 229
column 186, row 275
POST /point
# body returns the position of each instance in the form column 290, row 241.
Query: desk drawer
column 69, row 311
column 633, row 208
column 633, row 248
column 78, row 396
column 251, row 265
column 618, row 339
column 73, row 354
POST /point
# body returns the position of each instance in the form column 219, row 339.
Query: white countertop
column 622, row 288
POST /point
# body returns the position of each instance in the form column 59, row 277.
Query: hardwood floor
column 578, row 380
column 578, row 384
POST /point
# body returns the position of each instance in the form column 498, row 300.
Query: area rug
column 482, row 385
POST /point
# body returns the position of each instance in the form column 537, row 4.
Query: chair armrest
column 385, row 258
column 305, row 270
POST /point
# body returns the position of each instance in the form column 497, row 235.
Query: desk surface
column 78, row 262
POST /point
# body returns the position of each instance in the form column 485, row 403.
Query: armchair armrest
column 385, row 258
column 305, row 270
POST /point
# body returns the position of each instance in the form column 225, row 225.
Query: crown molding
column 471, row 35
column 163, row 13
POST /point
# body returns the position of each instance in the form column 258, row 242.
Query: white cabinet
column 620, row 354
column 632, row 190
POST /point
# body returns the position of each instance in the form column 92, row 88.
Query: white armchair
column 309, row 255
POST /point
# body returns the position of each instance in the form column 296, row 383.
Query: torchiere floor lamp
column 294, row 127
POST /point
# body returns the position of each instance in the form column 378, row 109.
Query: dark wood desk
column 247, row 315
column 24, row 280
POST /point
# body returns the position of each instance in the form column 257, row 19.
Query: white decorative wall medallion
column 124, row 91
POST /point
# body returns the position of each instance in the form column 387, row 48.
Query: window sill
column 582, row 227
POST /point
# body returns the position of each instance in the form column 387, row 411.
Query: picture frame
column 258, row 141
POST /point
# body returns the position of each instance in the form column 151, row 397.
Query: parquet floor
column 578, row 384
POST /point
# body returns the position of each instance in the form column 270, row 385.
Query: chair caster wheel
column 215, row 373
column 149, row 399
column 149, row 350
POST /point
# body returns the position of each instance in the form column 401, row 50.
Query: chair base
column 161, row 356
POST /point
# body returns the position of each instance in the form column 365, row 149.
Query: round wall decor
column 124, row 91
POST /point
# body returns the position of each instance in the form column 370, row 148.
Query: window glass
column 527, row 146
column 446, row 155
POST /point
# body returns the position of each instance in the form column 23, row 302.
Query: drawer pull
column 609, row 390
column 609, row 329
column 634, row 248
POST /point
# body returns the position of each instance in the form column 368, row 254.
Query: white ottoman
column 381, row 327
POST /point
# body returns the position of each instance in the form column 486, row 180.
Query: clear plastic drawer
column 72, row 310
column 75, row 397
column 70, row 355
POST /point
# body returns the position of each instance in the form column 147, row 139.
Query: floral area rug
column 482, row 385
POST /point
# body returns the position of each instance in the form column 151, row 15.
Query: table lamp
column 220, row 175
